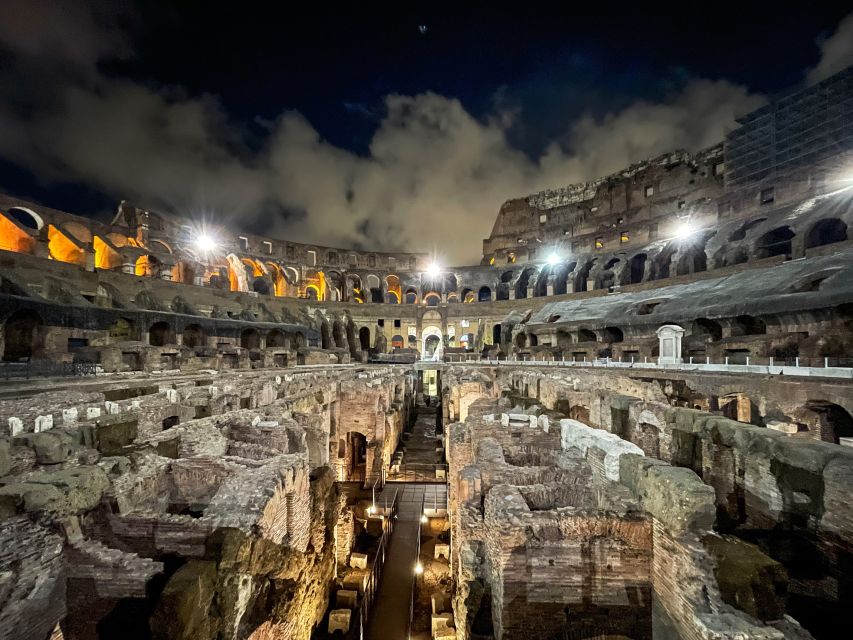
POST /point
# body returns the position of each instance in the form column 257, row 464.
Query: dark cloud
column 434, row 175
column 836, row 52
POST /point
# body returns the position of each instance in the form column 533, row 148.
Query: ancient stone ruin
column 634, row 419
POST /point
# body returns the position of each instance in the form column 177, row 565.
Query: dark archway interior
column 250, row 339
column 21, row 333
column 160, row 334
column 193, row 336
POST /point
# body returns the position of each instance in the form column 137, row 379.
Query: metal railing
column 836, row 367
column 424, row 472
column 47, row 368
column 389, row 516
column 415, row 574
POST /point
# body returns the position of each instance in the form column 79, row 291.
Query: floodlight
column 419, row 569
column 433, row 270
column 205, row 243
column 553, row 259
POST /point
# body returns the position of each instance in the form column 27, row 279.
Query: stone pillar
column 549, row 289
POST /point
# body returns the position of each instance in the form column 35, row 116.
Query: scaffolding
column 801, row 129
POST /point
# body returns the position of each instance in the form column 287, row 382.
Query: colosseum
column 633, row 419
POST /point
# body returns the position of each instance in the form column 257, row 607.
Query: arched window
column 364, row 338
column 585, row 335
column 160, row 334
column 775, row 243
column 613, row 334
column 432, row 299
column 411, row 296
column 827, row 231
column 275, row 339
column 484, row 294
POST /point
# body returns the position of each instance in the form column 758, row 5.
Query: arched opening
column 692, row 260
column 147, row 266
column 261, row 285
column 496, row 335
column 392, row 286
column 561, row 277
column 193, row 336
column 726, row 256
column 25, row 217
column 586, row 335
column 740, row 232
column 22, row 335
column 523, row 283
column 827, row 231
column 182, row 272
column 662, row 263
column 121, row 330
column 748, row 326
column 775, row 243
column 613, row 334
column 502, row 291
column 325, row 335
column 275, row 339
column 832, row 420
column 411, row 296
column 250, row 339
column 431, row 347
column 160, row 334
column 432, row 299
column 582, row 276
column 364, row 338
column 374, row 286
column 357, row 456
column 397, row 342
column 534, row 340
column 606, row 276
column 521, row 340
column 450, row 283
column 541, row 287
column 635, row 271
column 312, row 292
column 467, row 296
column 339, row 335
column 707, row 329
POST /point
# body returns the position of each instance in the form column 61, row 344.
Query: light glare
column 553, row 259
column 684, row 231
column 433, row 270
column 205, row 243
column 419, row 569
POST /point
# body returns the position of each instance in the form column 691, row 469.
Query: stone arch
column 432, row 343
column 161, row 334
column 339, row 334
column 364, row 338
column 411, row 295
column 77, row 231
column 635, row 271
column 161, row 244
column 586, row 335
column 250, row 338
column 484, row 294
column 776, row 242
column 432, row 299
column 275, row 339
column 612, row 334
column 22, row 335
column 26, row 217
column 523, row 282
column 833, row 421
column 540, row 289
column 581, row 278
column 708, row 329
column 561, row 277
column 467, row 295
column 147, row 266
column 826, row 231
column 662, row 262
column 193, row 336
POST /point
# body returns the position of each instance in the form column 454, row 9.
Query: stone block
column 782, row 427
column 748, row 579
column 339, row 620
column 44, row 423
column 358, row 560
column 69, row 416
column 16, row 426
column 346, row 599
column 440, row 602
column 51, row 448
column 183, row 609
column 440, row 622
column 93, row 412
column 442, row 550
column 355, row 580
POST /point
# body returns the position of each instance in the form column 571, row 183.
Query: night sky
column 356, row 126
